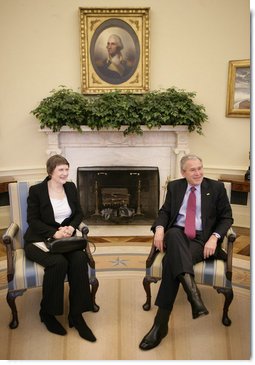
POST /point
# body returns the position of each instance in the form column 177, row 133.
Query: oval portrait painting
column 115, row 51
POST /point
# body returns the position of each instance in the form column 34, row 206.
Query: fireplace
column 119, row 194
column 162, row 147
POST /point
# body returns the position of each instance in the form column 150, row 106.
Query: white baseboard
column 241, row 215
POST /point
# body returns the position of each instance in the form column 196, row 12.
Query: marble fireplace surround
column 162, row 148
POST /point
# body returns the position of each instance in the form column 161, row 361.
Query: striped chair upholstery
column 214, row 273
column 210, row 273
column 22, row 273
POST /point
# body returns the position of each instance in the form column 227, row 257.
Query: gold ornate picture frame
column 238, row 92
column 114, row 50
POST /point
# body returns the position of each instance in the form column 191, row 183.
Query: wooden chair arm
column 10, row 234
column 152, row 256
column 8, row 241
column 231, row 237
column 85, row 230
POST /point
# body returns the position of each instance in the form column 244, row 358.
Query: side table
column 4, row 182
column 239, row 188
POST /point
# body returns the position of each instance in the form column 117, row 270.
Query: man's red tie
column 190, row 223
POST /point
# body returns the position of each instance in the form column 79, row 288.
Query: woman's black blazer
column 40, row 215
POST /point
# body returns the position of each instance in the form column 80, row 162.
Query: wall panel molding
column 213, row 172
column 25, row 173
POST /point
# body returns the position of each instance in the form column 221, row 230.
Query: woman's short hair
column 55, row 161
column 186, row 158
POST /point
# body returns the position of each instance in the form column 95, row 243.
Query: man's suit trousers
column 181, row 254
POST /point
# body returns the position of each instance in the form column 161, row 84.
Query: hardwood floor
column 242, row 243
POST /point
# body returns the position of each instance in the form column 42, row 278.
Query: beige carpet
column 121, row 323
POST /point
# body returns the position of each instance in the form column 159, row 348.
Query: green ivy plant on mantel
column 112, row 110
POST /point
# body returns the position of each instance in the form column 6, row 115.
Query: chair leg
column 147, row 287
column 94, row 286
column 229, row 295
column 11, row 297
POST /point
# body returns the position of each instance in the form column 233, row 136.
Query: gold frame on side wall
column 238, row 92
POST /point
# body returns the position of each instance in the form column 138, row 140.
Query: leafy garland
column 65, row 107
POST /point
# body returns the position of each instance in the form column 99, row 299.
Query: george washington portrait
column 115, row 51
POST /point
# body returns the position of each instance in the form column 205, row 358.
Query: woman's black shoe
column 52, row 324
column 78, row 322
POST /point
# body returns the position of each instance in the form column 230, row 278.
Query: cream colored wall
column 191, row 44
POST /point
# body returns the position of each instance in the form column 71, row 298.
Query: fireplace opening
column 119, row 194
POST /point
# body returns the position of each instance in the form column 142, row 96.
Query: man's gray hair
column 117, row 40
column 186, row 158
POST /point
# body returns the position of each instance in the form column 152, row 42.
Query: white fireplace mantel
column 163, row 148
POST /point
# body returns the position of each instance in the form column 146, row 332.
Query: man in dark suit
column 186, row 245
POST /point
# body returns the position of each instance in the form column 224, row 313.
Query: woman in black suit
column 54, row 211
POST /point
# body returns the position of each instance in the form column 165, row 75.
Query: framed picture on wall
column 114, row 50
column 238, row 92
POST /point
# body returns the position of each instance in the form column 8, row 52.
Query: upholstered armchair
column 23, row 274
column 214, row 273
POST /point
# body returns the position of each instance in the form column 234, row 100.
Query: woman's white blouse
column 61, row 209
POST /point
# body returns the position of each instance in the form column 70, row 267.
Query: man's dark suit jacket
column 40, row 215
column 216, row 211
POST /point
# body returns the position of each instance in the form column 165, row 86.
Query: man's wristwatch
column 217, row 235
column 160, row 227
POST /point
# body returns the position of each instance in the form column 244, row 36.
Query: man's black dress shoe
column 52, row 323
column 154, row 336
column 193, row 295
column 198, row 309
